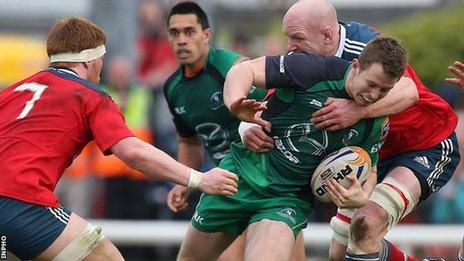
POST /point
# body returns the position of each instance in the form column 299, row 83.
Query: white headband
column 83, row 56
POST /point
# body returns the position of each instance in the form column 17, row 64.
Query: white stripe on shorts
column 447, row 149
column 60, row 209
column 58, row 215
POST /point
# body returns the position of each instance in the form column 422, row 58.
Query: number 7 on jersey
column 37, row 89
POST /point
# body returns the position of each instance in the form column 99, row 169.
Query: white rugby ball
column 337, row 165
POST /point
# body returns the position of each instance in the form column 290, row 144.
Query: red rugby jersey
column 421, row 126
column 46, row 120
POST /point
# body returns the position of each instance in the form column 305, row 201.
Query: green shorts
column 233, row 214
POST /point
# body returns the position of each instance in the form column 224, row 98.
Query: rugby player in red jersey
column 47, row 119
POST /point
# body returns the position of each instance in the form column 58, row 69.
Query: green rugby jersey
column 303, row 82
column 197, row 106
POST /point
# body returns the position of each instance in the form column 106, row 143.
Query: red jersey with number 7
column 46, row 120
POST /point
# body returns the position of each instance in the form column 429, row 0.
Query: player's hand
column 256, row 140
column 219, row 182
column 352, row 197
column 337, row 114
column 458, row 69
column 177, row 198
column 247, row 109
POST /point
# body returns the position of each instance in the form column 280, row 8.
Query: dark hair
column 190, row 8
column 388, row 52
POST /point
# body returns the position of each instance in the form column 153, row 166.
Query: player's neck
column 193, row 69
column 349, row 83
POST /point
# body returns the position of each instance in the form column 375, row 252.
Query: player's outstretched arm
column 458, row 69
column 155, row 163
column 240, row 78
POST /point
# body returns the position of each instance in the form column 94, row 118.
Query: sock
column 362, row 257
column 391, row 252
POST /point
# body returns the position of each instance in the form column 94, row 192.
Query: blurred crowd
column 96, row 186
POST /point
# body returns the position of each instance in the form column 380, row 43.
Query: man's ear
column 355, row 63
column 328, row 34
column 208, row 34
column 87, row 64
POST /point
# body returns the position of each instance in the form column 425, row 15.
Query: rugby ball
column 337, row 165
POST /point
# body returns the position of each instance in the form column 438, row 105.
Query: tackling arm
column 155, row 163
column 403, row 95
column 341, row 113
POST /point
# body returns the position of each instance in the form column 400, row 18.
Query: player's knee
column 362, row 225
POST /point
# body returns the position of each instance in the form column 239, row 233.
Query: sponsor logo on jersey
column 297, row 138
column 216, row 101
column 377, row 147
column 316, row 103
column 281, row 64
column 288, row 154
column 289, row 213
column 213, row 135
column 180, row 110
column 220, row 154
column 423, row 161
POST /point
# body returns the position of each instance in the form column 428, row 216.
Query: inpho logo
column 3, row 248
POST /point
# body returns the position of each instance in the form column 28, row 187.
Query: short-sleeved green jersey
column 197, row 106
column 303, row 82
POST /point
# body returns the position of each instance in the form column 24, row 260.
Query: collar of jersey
column 64, row 70
column 71, row 75
column 341, row 44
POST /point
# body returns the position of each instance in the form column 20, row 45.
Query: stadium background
column 103, row 189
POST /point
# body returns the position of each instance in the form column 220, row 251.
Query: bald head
column 317, row 21
column 314, row 13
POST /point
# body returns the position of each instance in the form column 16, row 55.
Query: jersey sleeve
column 376, row 138
column 107, row 125
column 302, row 70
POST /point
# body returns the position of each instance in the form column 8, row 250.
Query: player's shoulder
column 72, row 80
column 331, row 66
column 221, row 60
column 358, row 33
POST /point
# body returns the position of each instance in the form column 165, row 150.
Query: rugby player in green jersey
column 274, row 202
column 194, row 95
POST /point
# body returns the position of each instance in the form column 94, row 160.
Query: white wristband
column 244, row 126
column 195, row 178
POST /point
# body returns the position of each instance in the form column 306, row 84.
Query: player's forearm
column 151, row 161
column 238, row 82
column 190, row 154
column 401, row 97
